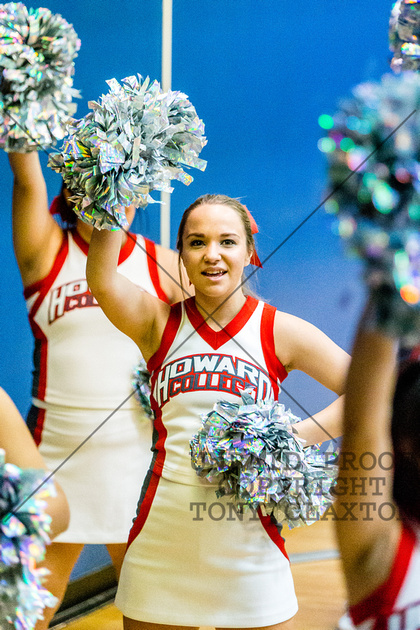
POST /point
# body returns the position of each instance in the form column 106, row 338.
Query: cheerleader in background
column 83, row 370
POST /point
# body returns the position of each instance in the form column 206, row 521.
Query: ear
column 248, row 257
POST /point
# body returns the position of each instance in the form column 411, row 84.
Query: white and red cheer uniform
column 191, row 559
column 395, row 605
column 83, row 369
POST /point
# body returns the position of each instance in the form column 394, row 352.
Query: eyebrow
column 197, row 235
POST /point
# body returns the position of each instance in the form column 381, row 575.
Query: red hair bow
column 254, row 229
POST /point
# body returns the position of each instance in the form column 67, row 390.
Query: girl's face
column 214, row 249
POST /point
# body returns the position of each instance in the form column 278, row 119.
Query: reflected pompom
column 37, row 49
column 372, row 144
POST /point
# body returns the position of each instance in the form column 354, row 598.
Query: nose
column 212, row 253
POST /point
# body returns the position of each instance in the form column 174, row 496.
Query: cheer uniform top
column 211, row 566
column 83, row 368
column 395, row 605
column 196, row 366
column 74, row 340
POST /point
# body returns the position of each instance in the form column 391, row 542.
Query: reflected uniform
column 82, row 379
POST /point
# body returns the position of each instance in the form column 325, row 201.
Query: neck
column 224, row 308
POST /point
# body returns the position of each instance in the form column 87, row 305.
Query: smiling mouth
column 213, row 274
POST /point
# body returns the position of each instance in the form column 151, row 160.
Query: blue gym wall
column 259, row 73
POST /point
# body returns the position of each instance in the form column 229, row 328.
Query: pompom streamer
column 24, row 528
column 377, row 207
column 252, row 452
column 37, row 49
column 404, row 34
column 136, row 139
column 141, row 386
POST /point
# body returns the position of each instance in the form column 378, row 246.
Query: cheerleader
column 83, row 369
column 379, row 541
column 190, row 561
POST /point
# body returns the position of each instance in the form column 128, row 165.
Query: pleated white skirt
column 193, row 561
column 101, row 480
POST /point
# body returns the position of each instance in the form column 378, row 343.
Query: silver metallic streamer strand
column 372, row 144
column 404, row 33
column 252, row 452
column 24, row 528
column 141, row 386
column 37, row 50
column 136, row 139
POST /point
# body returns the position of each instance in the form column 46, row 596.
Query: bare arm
column 368, row 540
column 20, row 450
column 135, row 312
column 172, row 275
column 302, row 346
column 36, row 236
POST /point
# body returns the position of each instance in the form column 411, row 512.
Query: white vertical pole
column 165, row 209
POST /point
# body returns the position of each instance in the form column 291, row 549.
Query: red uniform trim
column 381, row 602
column 274, row 365
column 168, row 336
column 271, row 529
column 42, row 287
column 216, row 338
column 125, row 250
column 45, row 284
column 144, row 508
column 37, row 434
column 159, row 445
column 153, row 269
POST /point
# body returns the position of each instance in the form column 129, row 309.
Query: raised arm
column 135, row 312
column 369, row 537
column 302, row 346
column 20, row 449
column 36, row 235
column 172, row 274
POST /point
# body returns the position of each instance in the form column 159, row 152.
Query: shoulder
column 166, row 256
column 302, row 346
column 294, row 335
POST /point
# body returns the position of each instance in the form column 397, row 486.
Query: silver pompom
column 37, row 49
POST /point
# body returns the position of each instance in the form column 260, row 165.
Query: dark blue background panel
column 259, row 74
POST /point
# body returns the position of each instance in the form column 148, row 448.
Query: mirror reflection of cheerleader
column 82, row 369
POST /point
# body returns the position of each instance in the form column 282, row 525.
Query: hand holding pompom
column 135, row 140
column 37, row 49
column 252, row 452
